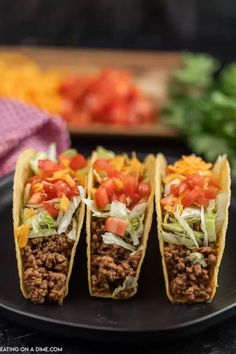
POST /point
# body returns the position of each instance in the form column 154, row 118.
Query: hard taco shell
column 22, row 173
column 149, row 163
column 222, row 169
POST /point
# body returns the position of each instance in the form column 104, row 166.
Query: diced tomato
column 113, row 197
column 135, row 198
column 110, row 186
column 182, row 187
column 73, row 192
column 210, row 193
column 195, row 195
column 144, row 189
column 37, row 198
column 77, row 162
column 174, row 189
column 213, row 181
column 51, row 209
column 35, row 179
column 62, row 188
column 113, row 173
column 195, row 180
column 69, row 87
column 188, row 199
column 116, row 226
column 130, row 185
column 102, row 165
column 201, row 200
column 48, row 167
column 101, row 197
column 50, row 190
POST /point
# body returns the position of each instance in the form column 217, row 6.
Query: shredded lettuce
column 186, row 227
column 118, row 210
column 138, row 210
column 60, row 216
column 135, row 229
column 197, row 258
column 70, row 152
column 110, row 238
column 210, row 221
column 66, row 219
column 73, row 232
column 26, row 193
column 34, row 206
column 42, row 225
column 43, row 233
column 52, row 152
column 193, row 212
column 128, row 283
column 178, row 239
column 221, row 204
column 175, row 181
column 92, row 206
column 34, row 161
column 203, row 227
column 169, row 237
column 97, row 176
column 104, row 153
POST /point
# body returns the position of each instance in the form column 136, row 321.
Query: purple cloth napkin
column 23, row 126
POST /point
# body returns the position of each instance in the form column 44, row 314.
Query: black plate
column 149, row 314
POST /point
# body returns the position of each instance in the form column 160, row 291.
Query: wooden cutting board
column 150, row 69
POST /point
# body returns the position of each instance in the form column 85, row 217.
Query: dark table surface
column 219, row 339
column 215, row 340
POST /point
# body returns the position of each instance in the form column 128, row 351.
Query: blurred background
column 135, row 24
column 153, row 84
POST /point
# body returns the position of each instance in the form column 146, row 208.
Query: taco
column 192, row 201
column 48, row 216
column 119, row 217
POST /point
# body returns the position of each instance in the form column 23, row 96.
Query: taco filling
column 120, row 196
column 190, row 221
column 48, row 232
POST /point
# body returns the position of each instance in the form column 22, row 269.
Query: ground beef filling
column 45, row 267
column 110, row 264
column 187, row 280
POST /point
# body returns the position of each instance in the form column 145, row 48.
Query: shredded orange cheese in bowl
column 23, row 79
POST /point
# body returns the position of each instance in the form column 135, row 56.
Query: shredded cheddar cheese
column 29, row 213
column 135, row 165
column 38, row 187
column 118, row 162
column 22, row 234
column 22, row 78
column 69, row 180
column 182, row 168
column 188, row 165
column 119, row 184
column 64, row 203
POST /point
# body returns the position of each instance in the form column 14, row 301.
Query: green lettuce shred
column 104, row 153
column 128, row 283
column 197, row 258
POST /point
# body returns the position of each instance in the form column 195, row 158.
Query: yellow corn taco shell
column 22, row 173
column 149, row 164
column 222, row 170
